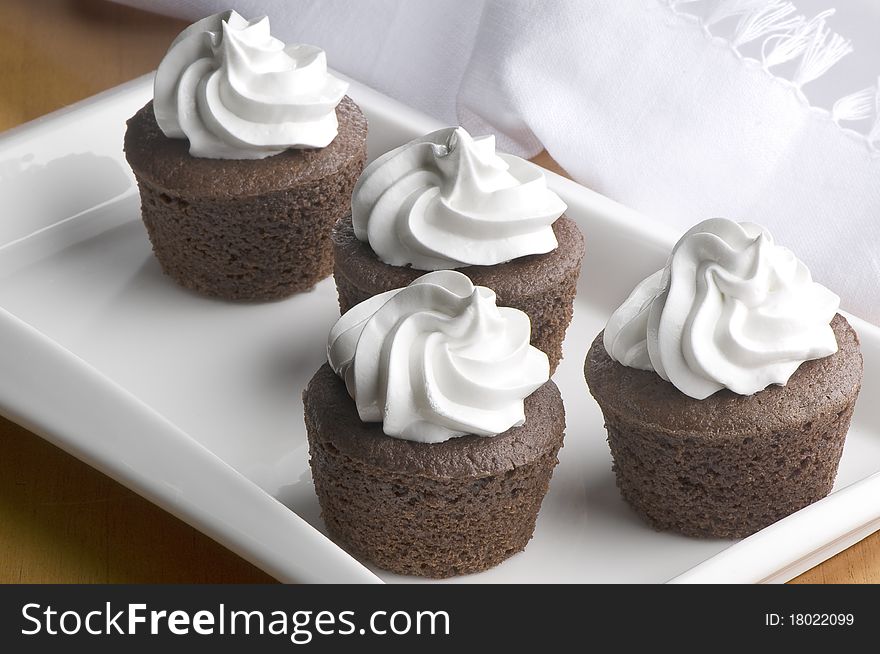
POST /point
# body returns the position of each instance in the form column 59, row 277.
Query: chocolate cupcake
column 727, row 381
column 245, row 159
column 448, row 201
column 434, row 430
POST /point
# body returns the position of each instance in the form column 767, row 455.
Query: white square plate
column 75, row 263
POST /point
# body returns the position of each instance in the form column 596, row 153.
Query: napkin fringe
column 824, row 49
column 861, row 105
column 786, row 37
column 771, row 19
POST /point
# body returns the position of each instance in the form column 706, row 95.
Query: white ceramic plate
column 75, row 264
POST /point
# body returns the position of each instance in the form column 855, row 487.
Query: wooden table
column 61, row 520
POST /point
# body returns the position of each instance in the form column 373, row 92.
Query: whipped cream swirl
column 447, row 200
column 730, row 310
column 437, row 359
column 236, row 92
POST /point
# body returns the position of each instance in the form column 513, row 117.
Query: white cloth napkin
column 682, row 109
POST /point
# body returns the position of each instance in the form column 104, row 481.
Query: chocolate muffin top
column 166, row 162
column 822, row 387
column 335, row 415
column 525, row 276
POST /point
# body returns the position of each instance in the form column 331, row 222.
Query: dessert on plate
column 245, row 158
column 449, row 201
column 433, row 430
column 727, row 381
